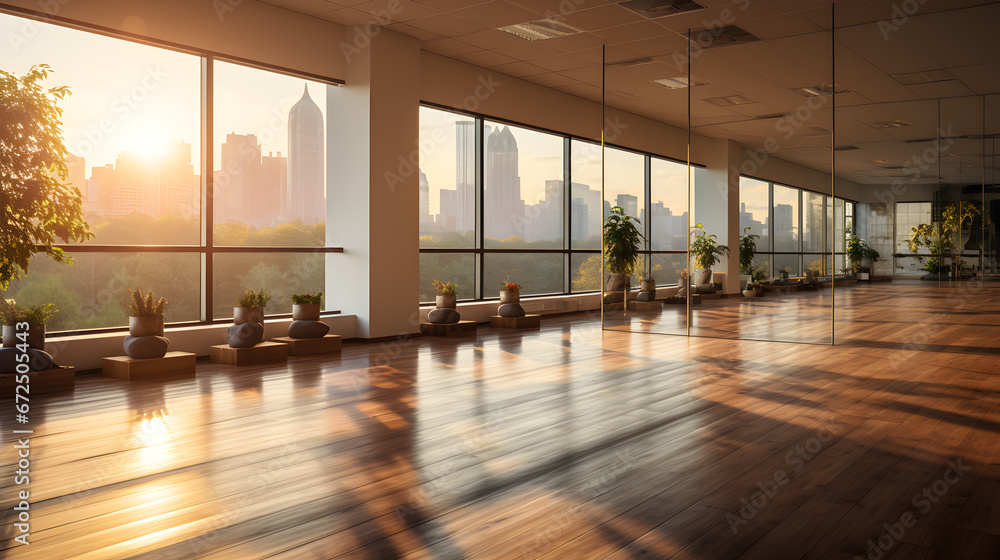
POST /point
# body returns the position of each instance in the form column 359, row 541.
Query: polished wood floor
column 568, row 442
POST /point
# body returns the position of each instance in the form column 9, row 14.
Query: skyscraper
column 237, row 187
column 503, row 205
column 465, row 174
column 305, row 161
column 425, row 198
column 629, row 203
column 274, row 171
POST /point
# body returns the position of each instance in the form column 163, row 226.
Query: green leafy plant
column 145, row 306
column 622, row 242
column 758, row 274
column 705, row 249
column 748, row 248
column 858, row 250
column 304, row 299
column 11, row 313
column 38, row 206
column 252, row 298
column 445, row 288
column 957, row 218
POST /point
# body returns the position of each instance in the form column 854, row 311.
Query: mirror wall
column 800, row 143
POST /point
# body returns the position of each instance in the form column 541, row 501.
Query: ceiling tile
column 552, row 79
column 631, row 32
column 449, row 5
column 520, row 69
column 486, row 58
column 528, row 50
column 489, row 39
column 574, row 43
column 602, row 17
column 309, row 7
column 561, row 62
column 779, row 26
column 447, row 25
column 396, row 10
column 666, row 44
column 346, row 16
column 496, row 14
column 448, row 46
column 421, row 34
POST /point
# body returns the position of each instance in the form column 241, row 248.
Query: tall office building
column 305, row 161
column 784, row 228
column 629, row 203
column 425, row 198
column 503, row 205
column 465, row 174
column 591, row 201
column 237, row 186
column 274, row 178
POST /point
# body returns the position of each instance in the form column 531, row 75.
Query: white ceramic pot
column 36, row 336
column 445, row 301
column 146, row 325
column 508, row 296
column 749, row 293
column 305, row 312
column 703, row 276
column 248, row 315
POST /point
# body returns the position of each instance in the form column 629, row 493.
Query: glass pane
column 839, row 229
column 625, row 182
column 586, row 272
column 93, row 292
column 754, row 210
column 447, row 267
column 585, row 193
column 269, row 181
column 788, row 264
column 279, row 274
column 666, row 268
column 813, row 225
column 447, row 180
column 536, row 273
column 786, row 219
column 133, row 134
column 523, row 171
column 668, row 216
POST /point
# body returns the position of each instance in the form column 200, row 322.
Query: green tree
column 37, row 206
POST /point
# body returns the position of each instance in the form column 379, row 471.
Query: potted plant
column 752, row 289
column 305, row 307
column 862, row 257
column 707, row 252
column 509, row 292
column 250, row 306
column 647, row 284
column 748, row 249
column 35, row 316
column 784, row 272
column 622, row 243
column 682, row 282
column 446, row 293
column 145, row 316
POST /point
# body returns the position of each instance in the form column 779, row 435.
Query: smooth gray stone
column 246, row 335
column 308, row 329
column 38, row 360
column 443, row 315
column 704, row 288
column 646, row 296
column 511, row 310
column 145, row 347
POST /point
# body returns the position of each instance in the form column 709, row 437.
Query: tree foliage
column 38, row 207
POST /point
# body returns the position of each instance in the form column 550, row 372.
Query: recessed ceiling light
column 820, row 90
column 889, row 124
column 676, row 83
column 729, row 100
column 771, row 116
column 541, row 29
column 633, row 62
column 845, row 148
column 928, row 77
column 719, row 36
column 653, row 9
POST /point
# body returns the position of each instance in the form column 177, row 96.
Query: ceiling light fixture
column 721, row 36
column 540, row 29
column 729, row 100
column 889, row 124
column 820, row 90
column 928, row 77
column 652, row 9
column 677, row 83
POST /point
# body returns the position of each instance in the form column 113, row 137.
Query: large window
column 135, row 135
column 513, row 203
column 798, row 229
column 908, row 216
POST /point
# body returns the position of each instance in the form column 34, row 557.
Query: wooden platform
column 682, row 300
column 460, row 328
column 310, row 346
column 645, row 305
column 173, row 364
column 40, row 382
column 266, row 352
column 526, row 322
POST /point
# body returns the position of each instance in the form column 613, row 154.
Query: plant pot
column 248, row 315
column 508, row 296
column 863, row 276
column 445, row 301
column 146, row 325
column 744, row 280
column 646, row 286
column 703, row 276
column 36, row 336
column 749, row 293
column 305, row 312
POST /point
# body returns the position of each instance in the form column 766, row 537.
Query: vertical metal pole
column 604, row 89
column 568, row 215
column 833, row 170
column 687, row 281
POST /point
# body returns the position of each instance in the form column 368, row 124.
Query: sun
column 149, row 145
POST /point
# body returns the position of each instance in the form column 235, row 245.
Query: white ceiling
column 794, row 51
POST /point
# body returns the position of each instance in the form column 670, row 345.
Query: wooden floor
column 568, row 442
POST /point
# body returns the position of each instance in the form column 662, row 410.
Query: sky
column 131, row 96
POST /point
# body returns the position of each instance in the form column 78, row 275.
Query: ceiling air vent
column 771, row 116
column 845, row 148
column 720, row 36
column 729, row 100
column 820, row 90
column 929, row 77
column 677, row 83
column 541, row 29
column 653, row 9
column 889, row 124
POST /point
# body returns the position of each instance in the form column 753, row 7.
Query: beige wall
column 244, row 29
